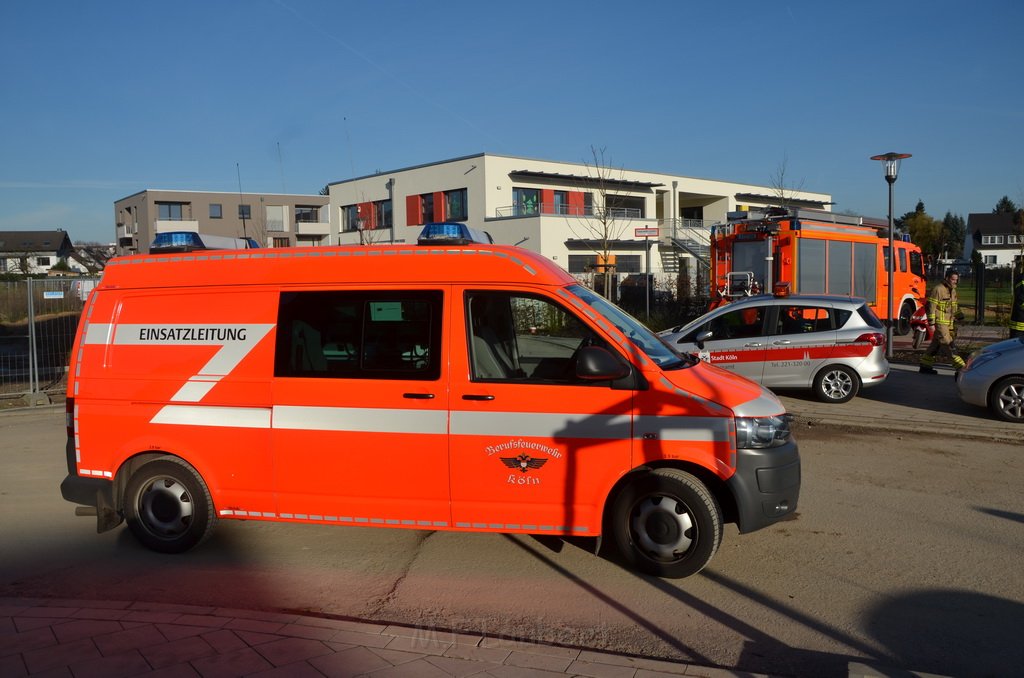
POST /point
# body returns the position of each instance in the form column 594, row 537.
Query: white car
column 833, row 345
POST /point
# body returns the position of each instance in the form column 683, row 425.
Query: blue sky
column 104, row 99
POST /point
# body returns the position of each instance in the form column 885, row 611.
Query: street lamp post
column 891, row 168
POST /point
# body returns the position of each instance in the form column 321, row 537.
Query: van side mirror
column 594, row 363
column 702, row 337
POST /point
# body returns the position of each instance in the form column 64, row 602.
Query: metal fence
column 38, row 319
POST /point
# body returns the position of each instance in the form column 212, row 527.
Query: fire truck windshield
column 635, row 331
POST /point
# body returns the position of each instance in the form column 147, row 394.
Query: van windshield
column 663, row 356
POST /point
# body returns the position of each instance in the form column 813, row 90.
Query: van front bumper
column 766, row 485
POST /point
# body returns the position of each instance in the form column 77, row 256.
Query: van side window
column 359, row 335
column 524, row 338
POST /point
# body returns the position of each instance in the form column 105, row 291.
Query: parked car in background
column 833, row 345
column 994, row 378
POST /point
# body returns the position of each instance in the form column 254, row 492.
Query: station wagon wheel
column 1007, row 399
column 836, row 384
column 666, row 523
column 168, row 507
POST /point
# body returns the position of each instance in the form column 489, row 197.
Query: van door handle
column 418, row 396
column 782, row 342
column 474, row 396
column 754, row 344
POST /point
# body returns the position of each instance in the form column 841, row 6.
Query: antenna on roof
column 241, row 213
column 280, row 163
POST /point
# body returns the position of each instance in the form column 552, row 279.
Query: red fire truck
column 815, row 252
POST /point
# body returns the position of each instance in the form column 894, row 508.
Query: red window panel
column 576, row 203
column 368, row 215
column 412, row 210
column 547, row 201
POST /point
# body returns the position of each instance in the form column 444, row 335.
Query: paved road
column 899, row 556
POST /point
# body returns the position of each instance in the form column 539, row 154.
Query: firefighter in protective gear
column 1017, row 309
column 942, row 312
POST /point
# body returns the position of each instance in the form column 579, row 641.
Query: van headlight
column 761, row 432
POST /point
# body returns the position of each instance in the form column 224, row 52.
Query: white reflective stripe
column 362, row 419
column 693, row 429
column 202, row 415
column 542, row 425
column 98, row 333
column 194, row 390
column 519, row 424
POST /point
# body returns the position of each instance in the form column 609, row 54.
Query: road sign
column 646, row 232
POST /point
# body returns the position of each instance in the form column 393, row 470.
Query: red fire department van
column 447, row 385
column 816, row 252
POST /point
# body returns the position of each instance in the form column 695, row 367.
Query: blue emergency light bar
column 452, row 233
column 177, row 239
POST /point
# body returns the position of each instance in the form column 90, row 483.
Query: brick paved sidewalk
column 113, row 639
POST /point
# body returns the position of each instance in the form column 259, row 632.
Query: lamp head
column 890, row 164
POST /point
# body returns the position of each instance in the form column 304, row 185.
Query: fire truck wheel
column 836, row 384
column 666, row 523
column 906, row 313
column 168, row 506
column 1007, row 399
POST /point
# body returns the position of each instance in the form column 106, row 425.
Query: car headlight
column 761, row 432
column 979, row 359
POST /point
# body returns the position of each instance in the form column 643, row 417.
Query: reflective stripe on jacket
column 942, row 305
column 1017, row 307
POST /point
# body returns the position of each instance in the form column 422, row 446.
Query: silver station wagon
column 833, row 345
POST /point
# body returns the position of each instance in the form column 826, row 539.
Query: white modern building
column 574, row 213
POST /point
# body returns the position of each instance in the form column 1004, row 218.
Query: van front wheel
column 667, row 523
column 168, row 506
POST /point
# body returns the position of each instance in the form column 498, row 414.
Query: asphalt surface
column 123, row 638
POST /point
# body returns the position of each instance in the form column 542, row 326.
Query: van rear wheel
column 168, row 506
column 666, row 523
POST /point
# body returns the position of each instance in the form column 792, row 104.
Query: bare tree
column 608, row 221
column 780, row 187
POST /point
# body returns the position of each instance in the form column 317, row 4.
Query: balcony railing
column 564, row 210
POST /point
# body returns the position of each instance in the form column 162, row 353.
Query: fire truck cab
column 816, row 252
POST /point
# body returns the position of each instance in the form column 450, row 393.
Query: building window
column 1014, row 239
column 426, row 208
column 281, row 242
column 42, row 261
column 305, row 214
column 245, row 212
column 526, row 201
column 625, row 206
column 350, row 218
column 215, row 211
column 991, row 240
column 455, row 208
column 382, row 214
column 561, row 202
column 170, row 211
column 587, row 263
column 990, row 259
